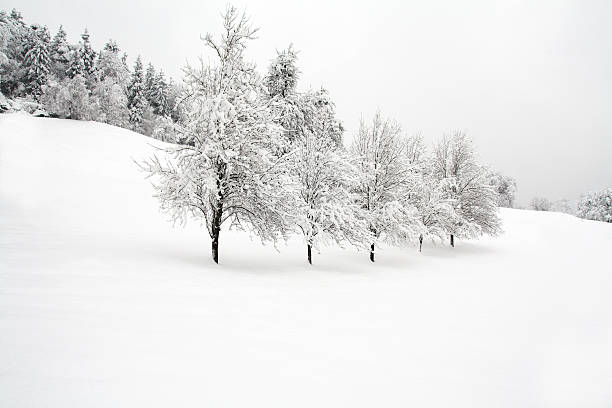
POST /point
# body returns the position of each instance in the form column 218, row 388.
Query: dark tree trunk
column 309, row 254
column 372, row 252
column 452, row 240
column 216, row 230
column 217, row 213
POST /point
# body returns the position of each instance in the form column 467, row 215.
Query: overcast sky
column 530, row 81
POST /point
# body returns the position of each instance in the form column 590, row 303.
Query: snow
column 104, row 304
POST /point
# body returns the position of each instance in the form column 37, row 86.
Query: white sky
column 530, row 81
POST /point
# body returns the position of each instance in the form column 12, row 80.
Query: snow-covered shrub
column 540, row 204
column 505, row 187
column 596, row 206
column 68, row 99
column 563, row 206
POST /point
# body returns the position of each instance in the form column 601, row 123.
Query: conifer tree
column 149, row 81
column 38, row 63
column 159, row 95
column 60, row 54
column 137, row 102
column 75, row 66
column 87, row 54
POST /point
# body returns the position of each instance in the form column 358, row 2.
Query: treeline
column 257, row 154
column 594, row 206
column 50, row 76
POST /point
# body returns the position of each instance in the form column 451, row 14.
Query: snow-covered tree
column 110, row 88
column 68, row 99
column 325, row 208
column 287, row 104
column 283, row 73
column 111, row 102
column 505, row 187
column 60, row 54
column 149, row 83
column 385, row 178
column 37, row 61
column 454, row 164
column 75, row 65
column 110, row 65
column 596, row 206
column 159, row 95
column 87, row 54
column 229, row 169
column 137, row 100
column 425, row 192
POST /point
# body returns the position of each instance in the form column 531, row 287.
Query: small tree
column 505, row 187
column 465, row 184
column 229, row 168
column 68, row 99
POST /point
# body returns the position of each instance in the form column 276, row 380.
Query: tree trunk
column 216, row 230
column 309, row 254
column 217, row 213
column 372, row 252
column 215, row 247
column 452, row 240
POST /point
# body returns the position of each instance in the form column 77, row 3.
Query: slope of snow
column 104, row 304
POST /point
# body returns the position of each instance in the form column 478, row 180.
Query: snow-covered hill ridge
column 104, row 304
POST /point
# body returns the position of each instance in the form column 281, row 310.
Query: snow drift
column 104, row 304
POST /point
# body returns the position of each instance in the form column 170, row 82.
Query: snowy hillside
column 104, row 304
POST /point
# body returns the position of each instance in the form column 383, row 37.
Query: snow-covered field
column 104, row 304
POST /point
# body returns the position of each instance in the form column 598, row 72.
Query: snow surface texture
column 104, row 304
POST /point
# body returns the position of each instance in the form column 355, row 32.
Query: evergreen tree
column 60, row 54
column 159, row 95
column 136, row 98
column 14, row 40
column 38, row 63
column 111, row 46
column 87, row 54
column 150, row 84
column 75, row 67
